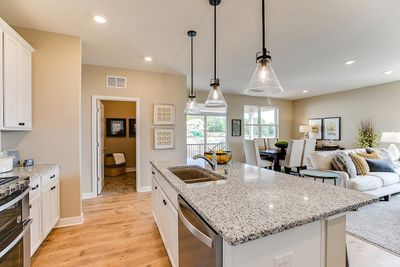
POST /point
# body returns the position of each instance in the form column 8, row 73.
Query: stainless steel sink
column 194, row 175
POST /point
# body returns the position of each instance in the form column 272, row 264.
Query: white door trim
column 96, row 98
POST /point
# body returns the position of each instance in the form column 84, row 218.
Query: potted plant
column 367, row 136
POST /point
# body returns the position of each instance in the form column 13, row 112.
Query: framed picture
column 115, row 127
column 332, row 128
column 316, row 125
column 132, row 127
column 236, row 127
column 164, row 114
column 164, row 138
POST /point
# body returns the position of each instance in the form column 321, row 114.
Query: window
column 260, row 122
column 206, row 131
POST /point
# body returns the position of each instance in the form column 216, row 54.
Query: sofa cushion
column 360, row 163
column 380, row 165
column 322, row 160
column 365, row 183
column 388, row 178
column 343, row 162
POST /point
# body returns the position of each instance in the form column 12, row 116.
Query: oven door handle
column 26, row 226
column 15, row 200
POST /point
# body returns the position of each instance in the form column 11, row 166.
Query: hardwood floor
column 119, row 230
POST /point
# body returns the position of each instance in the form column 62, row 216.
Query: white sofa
column 380, row 184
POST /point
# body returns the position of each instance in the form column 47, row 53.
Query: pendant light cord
column 191, row 65
column 215, row 42
column 263, row 27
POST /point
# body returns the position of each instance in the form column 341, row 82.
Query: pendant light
column 264, row 81
column 215, row 97
column 191, row 106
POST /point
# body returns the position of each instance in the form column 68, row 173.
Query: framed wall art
column 164, row 138
column 316, row 125
column 332, row 128
column 132, row 127
column 236, row 127
column 164, row 114
column 115, row 127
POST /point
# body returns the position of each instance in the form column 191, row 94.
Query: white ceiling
column 309, row 39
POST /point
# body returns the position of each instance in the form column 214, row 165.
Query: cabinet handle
column 153, row 172
column 155, row 187
column 53, row 176
column 21, row 123
column 30, row 206
column 36, row 187
column 165, row 202
column 54, row 187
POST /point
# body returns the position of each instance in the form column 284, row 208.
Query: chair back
column 252, row 153
column 271, row 143
column 260, row 142
column 309, row 147
column 294, row 153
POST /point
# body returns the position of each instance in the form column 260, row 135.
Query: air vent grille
column 116, row 81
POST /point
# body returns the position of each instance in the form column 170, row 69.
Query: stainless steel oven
column 14, row 222
column 199, row 244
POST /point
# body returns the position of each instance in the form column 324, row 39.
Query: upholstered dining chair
column 271, row 143
column 260, row 143
column 252, row 155
column 309, row 147
column 294, row 155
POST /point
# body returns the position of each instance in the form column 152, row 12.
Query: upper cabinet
column 16, row 82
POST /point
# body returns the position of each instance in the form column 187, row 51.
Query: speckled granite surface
column 253, row 203
column 34, row 170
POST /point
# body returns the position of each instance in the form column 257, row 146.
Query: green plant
column 367, row 136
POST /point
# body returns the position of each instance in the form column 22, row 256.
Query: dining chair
column 252, row 155
column 309, row 147
column 271, row 143
column 260, row 143
column 293, row 157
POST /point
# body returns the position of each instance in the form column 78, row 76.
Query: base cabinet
column 36, row 227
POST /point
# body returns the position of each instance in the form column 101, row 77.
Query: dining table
column 275, row 154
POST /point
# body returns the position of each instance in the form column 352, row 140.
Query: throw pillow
column 360, row 163
column 380, row 165
column 394, row 152
column 322, row 160
column 343, row 162
column 373, row 155
column 385, row 154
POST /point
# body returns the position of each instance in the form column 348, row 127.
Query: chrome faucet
column 212, row 163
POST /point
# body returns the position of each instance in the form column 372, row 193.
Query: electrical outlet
column 285, row 260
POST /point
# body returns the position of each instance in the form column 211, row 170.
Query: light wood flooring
column 119, row 230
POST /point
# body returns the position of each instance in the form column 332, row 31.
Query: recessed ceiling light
column 100, row 19
column 148, row 59
column 388, row 72
column 305, row 91
column 349, row 62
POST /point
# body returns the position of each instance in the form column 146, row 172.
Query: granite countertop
column 253, row 203
column 31, row 171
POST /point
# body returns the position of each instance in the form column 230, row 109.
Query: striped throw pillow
column 361, row 164
column 373, row 155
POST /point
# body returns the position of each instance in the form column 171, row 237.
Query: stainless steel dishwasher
column 199, row 244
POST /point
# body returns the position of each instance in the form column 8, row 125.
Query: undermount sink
column 194, row 175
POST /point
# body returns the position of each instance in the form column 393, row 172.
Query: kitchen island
column 265, row 218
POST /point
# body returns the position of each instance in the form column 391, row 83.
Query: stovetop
column 5, row 180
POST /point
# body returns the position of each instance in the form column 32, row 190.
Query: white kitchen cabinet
column 36, row 228
column 55, row 203
column 1, row 79
column 173, row 247
column 46, row 212
column 154, row 198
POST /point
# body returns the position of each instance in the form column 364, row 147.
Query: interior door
column 100, row 147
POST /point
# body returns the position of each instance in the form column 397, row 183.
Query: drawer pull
column 155, row 187
column 153, row 172
column 36, row 187
column 30, row 206
column 165, row 202
column 53, row 176
column 54, row 187
column 21, row 124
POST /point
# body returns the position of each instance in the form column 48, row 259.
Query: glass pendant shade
column 215, row 97
column 264, row 81
column 192, row 107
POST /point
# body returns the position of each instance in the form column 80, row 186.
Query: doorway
column 115, row 145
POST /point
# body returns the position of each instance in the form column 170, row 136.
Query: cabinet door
column 36, row 229
column 173, row 248
column 46, row 212
column 1, row 79
column 54, row 203
column 154, row 199
column 25, row 90
column 162, row 218
column 11, row 81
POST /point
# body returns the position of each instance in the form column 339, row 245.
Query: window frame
column 259, row 125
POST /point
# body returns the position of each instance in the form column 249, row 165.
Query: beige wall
column 56, row 91
column 127, row 145
column 235, row 111
column 150, row 88
column 379, row 102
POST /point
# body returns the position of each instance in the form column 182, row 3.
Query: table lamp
column 305, row 129
column 393, row 138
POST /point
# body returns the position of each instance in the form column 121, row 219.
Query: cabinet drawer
column 50, row 177
column 35, row 185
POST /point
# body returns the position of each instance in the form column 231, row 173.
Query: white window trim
column 258, row 124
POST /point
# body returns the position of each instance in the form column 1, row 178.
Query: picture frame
column 115, row 127
column 164, row 114
column 317, row 128
column 132, row 127
column 236, row 127
column 332, row 128
column 164, row 138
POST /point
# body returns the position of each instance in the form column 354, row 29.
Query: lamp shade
column 390, row 137
column 264, row 81
column 305, row 128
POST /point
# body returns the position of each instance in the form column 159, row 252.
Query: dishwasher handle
column 208, row 241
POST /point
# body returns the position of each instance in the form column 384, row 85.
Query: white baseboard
column 89, row 195
column 143, row 189
column 70, row 221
